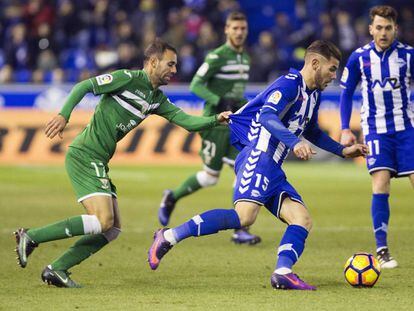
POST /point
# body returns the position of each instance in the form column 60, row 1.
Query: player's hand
column 356, row 150
column 348, row 138
column 224, row 117
column 55, row 126
column 303, row 150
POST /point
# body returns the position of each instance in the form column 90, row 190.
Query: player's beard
column 235, row 44
column 319, row 80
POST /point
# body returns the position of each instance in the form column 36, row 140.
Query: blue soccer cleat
column 289, row 281
column 158, row 249
column 166, row 207
column 243, row 236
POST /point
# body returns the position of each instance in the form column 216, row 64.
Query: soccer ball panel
column 360, row 262
column 369, row 277
column 352, row 276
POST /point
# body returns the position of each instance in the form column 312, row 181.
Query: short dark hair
column 157, row 47
column 385, row 11
column 236, row 16
column 324, row 48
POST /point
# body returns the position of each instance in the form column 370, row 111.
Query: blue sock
column 380, row 212
column 291, row 246
column 207, row 223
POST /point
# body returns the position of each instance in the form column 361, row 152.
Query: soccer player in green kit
column 128, row 97
column 221, row 82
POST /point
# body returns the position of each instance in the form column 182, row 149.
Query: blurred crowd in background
column 55, row 41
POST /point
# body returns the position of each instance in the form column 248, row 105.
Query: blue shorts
column 392, row 152
column 261, row 180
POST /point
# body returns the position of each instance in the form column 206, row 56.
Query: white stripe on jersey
column 281, row 147
column 410, row 111
column 129, row 107
column 380, row 122
column 365, row 101
column 397, row 110
column 264, row 138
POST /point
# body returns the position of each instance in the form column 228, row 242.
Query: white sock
column 91, row 224
column 169, row 236
column 282, row 271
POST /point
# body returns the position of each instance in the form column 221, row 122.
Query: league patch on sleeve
column 275, row 97
column 202, row 70
column 104, row 79
column 345, row 75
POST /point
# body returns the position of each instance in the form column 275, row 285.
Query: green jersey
column 224, row 74
column 127, row 99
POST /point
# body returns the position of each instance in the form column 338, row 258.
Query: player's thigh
column 214, row 146
column 411, row 176
column 89, row 176
column 405, row 152
column 382, row 153
column 294, row 212
column 381, row 181
column 117, row 214
column 247, row 212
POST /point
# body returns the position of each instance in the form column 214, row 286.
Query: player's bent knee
column 112, row 234
column 206, row 180
column 107, row 222
column 247, row 212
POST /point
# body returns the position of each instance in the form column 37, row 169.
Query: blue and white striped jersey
column 385, row 85
column 294, row 104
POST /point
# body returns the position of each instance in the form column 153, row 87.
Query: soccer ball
column 362, row 270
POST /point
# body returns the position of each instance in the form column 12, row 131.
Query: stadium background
column 47, row 46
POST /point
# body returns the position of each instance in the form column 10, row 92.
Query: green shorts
column 216, row 149
column 88, row 175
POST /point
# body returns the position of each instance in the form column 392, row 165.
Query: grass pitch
column 208, row 272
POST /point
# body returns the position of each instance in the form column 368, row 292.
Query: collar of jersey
column 391, row 48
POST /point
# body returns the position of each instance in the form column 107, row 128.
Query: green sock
column 67, row 228
column 189, row 186
column 82, row 249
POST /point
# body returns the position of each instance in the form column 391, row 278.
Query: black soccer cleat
column 385, row 259
column 58, row 278
column 167, row 206
column 25, row 246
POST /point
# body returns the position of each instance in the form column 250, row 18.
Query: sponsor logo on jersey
column 126, row 128
column 138, row 92
column 387, row 83
column 345, row 75
column 275, row 97
column 104, row 79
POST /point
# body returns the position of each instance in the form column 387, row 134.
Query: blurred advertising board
column 25, row 109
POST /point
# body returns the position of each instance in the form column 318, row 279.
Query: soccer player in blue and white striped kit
column 265, row 129
column 384, row 67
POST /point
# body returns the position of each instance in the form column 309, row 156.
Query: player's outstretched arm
column 196, row 123
column 356, row 150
